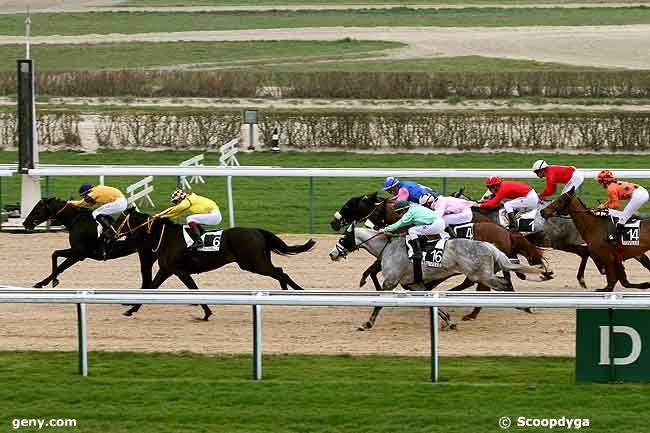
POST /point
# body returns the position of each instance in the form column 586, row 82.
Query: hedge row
column 381, row 85
column 623, row 131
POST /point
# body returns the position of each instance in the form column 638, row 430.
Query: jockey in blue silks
column 407, row 190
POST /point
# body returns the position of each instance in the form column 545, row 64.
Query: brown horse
column 593, row 230
column 381, row 214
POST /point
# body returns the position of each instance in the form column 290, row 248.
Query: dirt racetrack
column 25, row 259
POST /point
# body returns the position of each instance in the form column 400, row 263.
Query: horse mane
column 81, row 210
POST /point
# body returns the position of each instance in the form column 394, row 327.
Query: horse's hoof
column 207, row 316
column 55, row 283
column 582, row 283
column 603, row 290
column 468, row 318
column 38, row 286
column 127, row 313
column 526, row 310
column 362, row 283
column 453, row 326
column 361, row 328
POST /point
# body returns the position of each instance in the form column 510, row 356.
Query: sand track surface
column 25, row 259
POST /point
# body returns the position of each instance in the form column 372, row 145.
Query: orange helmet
column 605, row 176
column 493, row 180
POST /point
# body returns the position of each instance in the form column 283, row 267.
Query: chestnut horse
column 593, row 230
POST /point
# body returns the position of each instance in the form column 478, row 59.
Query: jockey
column 618, row 190
column 453, row 210
column 406, row 190
column 423, row 221
column 111, row 199
column 568, row 175
column 520, row 195
column 202, row 211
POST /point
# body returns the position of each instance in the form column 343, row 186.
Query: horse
column 559, row 233
column 477, row 260
column 83, row 239
column 380, row 214
column 250, row 248
column 593, row 229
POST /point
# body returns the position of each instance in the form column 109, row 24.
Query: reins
column 148, row 223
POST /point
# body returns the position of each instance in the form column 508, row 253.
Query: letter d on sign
column 604, row 345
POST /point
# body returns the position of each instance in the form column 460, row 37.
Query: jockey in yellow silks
column 111, row 201
column 202, row 210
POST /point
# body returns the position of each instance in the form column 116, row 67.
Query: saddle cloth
column 433, row 251
column 211, row 240
column 463, row 231
column 525, row 221
column 632, row 233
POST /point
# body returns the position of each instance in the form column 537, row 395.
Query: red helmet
column 493, row 180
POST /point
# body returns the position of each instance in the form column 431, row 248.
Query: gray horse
column 479, row 261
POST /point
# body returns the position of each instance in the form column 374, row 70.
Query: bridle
column 343, row 251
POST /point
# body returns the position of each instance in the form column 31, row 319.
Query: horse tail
column 526, row 248
column 504, row 262
column 278, row 246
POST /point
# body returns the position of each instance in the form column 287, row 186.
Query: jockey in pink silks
column 453, row 210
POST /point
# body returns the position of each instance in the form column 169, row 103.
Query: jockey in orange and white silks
column 618, row 190
column 111, row 201
column 454, row 210
column 202, row 211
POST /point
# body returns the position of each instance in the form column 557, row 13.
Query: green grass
column 145, row 22
column 339, row 2
column 439, row 64
column 282, row 204
column 182, row 392
column 138, row 55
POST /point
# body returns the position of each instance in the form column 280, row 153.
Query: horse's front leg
column 191, row 284
column 71, row 258
column 371, row 321
column 146, row 266
column 644, row 260
column 372, row 271
column 160, row 278
column 622, row 276
column 612, row 274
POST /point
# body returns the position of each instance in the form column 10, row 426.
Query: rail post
column 47, row 194
column 444, row 186
column 1, row 203
column 311, row 204
column 257, row 342
column 82, row 335
column 433, row 325
column 231, row 205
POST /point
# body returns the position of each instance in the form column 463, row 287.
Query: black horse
column 250, row 248
column 83, row 239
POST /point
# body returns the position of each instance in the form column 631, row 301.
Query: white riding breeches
column 576, row 180
column 112, row 208
column 638, row 198
column 209, row 219
column 531, row 201
column 435, row 228
column 459, row 218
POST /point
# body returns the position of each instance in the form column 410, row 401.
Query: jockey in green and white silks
column 423, row 221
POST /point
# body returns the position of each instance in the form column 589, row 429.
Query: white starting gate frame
column 140, row 191
column 192, row 162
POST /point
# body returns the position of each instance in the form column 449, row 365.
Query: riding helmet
column 540, row 164
column 401, row 205
column 178, row 196
column 493, row 180
column 605, row 176
column 84, row 188
column 390, row 182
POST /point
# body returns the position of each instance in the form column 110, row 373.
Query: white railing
column 259, row 298
column 140, row 191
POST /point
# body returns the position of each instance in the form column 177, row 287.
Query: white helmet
column 539, row 164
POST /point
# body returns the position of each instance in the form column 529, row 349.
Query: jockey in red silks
column 519, row 195
column 454, row 210
column 568, row 175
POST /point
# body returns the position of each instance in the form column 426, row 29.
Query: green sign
column 613, row 345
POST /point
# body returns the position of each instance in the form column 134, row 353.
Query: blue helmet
column 390, row 182
column 83, row 189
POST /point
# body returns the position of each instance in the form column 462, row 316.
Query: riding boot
column 612, row 230
column 195, row 234
column 417, row 259
column 107, row 223
column 512, row 221
column 620, row 229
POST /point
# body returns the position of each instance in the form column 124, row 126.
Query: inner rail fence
column 444, row 174
column 258, row 298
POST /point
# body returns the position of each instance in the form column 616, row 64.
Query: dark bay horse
column 250, row 248
column 593, row 229
column 84, row 243
column 377, row 211
column 560, row 233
